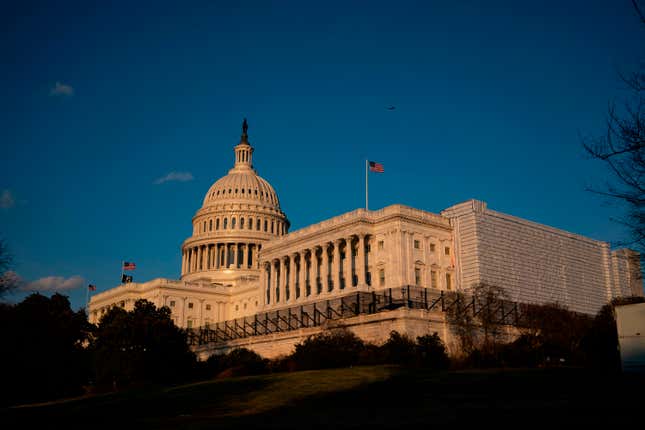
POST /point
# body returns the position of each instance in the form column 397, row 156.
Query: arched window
column 217, row 224
column 250, row 223
column 225, row 223
column 266, row 224
column 204, row 227
column 272, row 224
column 236, row 191
column 242, row 190
column 257, row 225
column 210, row 225
column 242, row 221
column 232, row 223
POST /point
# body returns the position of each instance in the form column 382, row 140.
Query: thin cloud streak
column 7, row 200
column 53, row 283
column 175, row 176
column 63, row 90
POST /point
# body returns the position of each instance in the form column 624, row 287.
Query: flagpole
column 366, row 186
column 122, row 263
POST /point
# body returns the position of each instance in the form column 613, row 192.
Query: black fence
column 351, row 305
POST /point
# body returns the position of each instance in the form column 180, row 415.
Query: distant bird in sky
column 391, row 108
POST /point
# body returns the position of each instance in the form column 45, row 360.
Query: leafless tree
column 622, row 149
column 9, row 281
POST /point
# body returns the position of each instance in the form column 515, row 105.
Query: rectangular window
column 416, row 244
column 208, row 307
column 190, row 305
column 417, row 277
column 448, row 282
column 380, row 245
column 432, row 247
column 189, row 323
column 446, row 250
column 433, row 279
column 172, row 303
column 381, row 277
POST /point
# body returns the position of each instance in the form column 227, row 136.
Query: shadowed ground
column 371, row 396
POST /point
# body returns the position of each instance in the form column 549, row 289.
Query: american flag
column 91, row 287
column 129, row 265
column 376, row 167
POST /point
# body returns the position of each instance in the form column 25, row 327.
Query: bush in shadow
column 399, row 349
column 331, row 348
column 431, row 352
column 238, row 362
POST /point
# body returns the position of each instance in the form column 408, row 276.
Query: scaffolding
column 321, row 312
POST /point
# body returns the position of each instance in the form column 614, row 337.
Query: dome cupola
column 240, row 212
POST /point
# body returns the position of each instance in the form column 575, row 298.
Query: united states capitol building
column 242, row 268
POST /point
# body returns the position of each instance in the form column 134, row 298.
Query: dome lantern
column 244, row 151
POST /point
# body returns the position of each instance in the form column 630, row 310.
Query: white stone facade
column 241, row 258
column 535, row 263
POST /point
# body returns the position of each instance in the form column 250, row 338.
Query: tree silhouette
column 622, row 149
column 43, row 349
column 140, row 346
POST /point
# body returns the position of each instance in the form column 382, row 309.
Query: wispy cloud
column 10, row 280
column 53, row 283
column 175, row 176
column 63, row 90
column 7, row 200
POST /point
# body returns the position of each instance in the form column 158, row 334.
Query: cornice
column 303, row 237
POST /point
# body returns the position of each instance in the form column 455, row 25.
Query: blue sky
column 101, row 101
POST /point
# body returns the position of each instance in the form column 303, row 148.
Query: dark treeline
column 52, row 352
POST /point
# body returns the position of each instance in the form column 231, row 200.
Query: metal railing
column 351, row 305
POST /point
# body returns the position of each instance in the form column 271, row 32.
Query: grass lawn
column 370, row 396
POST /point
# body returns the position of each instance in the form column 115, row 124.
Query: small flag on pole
column 129, row 265
column 91, row 287
column 376, row 167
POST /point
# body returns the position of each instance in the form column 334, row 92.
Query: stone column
column 360, row 264
column 348, row 262
column 204, row 257
column 324, row 268
column 303, row 273
column 245, row 258
column 335, row 264
column 283, row 282
column 292, row 271
column 275, row 291
column 183, row 262
column 312, row 273
column 267, row 284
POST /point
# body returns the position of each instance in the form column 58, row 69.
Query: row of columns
column 231, row 255
column 267, row 225
column 316, row 271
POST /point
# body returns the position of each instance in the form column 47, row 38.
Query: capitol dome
column 241, row 186
column 240, row 212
